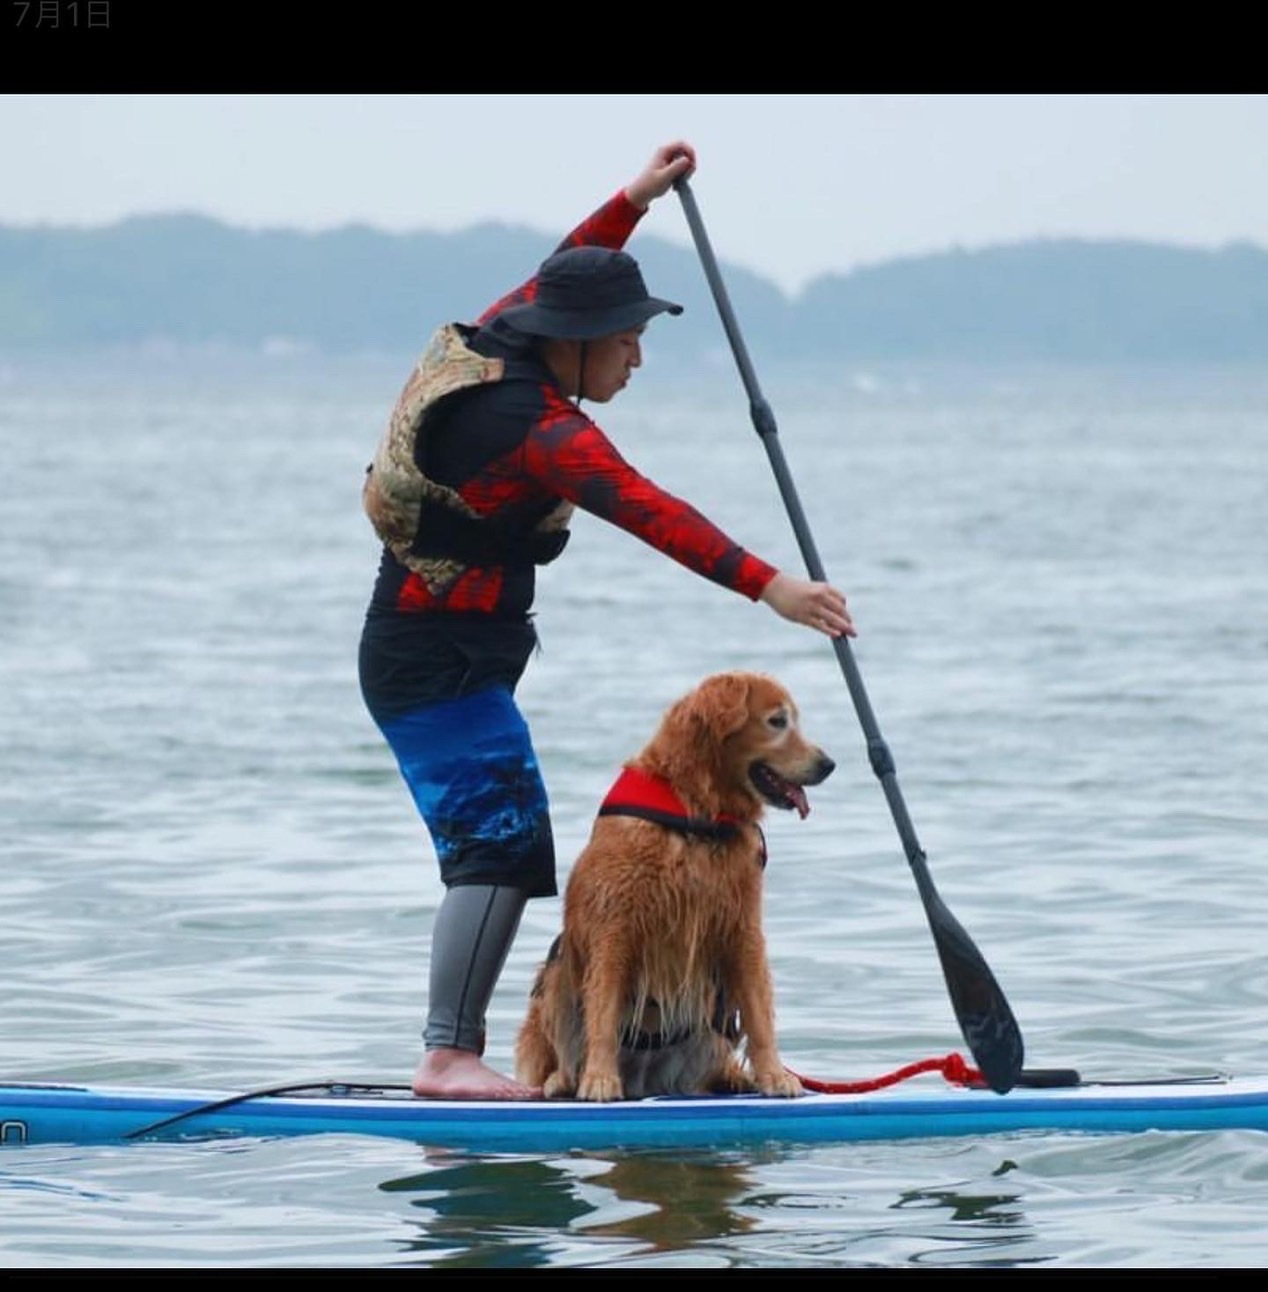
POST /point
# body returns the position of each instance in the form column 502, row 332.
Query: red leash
column 953, row 1067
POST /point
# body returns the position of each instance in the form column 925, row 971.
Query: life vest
column 428, row 526
column 641, row 794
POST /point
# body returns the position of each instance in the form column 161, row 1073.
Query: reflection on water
column 660, row 1202
column 480, row 1212
column 998, row 1222
column 668, row 1202
column 490, row 1212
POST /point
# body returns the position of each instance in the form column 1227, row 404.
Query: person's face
column 608, row 363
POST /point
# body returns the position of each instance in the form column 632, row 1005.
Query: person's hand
column 667, row 163
column 804, row 601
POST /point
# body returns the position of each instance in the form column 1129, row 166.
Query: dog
column 659, row 981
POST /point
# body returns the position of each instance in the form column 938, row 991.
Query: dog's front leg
column 603, row 999
column 755, row 995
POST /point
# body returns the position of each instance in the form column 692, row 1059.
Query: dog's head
column 734, row 746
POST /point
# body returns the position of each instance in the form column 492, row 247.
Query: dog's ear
column 688, row 746
column 694, row 726
column 720, row 704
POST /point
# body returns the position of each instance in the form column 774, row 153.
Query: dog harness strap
column 652, row 798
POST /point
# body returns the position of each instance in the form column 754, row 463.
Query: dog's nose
column 823, row 768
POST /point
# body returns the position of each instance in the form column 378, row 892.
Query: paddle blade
column 985, row 1017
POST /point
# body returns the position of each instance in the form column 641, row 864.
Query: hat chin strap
column 581, row 370
column 554, row 352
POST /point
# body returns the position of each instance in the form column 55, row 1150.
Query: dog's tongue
column 800, row 801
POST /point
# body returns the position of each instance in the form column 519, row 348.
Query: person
column 485, row 456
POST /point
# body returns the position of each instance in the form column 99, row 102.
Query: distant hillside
column 1059, row 299
column 192, row 280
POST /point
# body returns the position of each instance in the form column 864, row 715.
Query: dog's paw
column 780, row 1083
column 557, row 1086
column 600, row 1088
column 733, row 1080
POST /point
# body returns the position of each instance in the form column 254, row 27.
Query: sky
column 790, row 186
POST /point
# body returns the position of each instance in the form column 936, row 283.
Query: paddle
column 983, row 1013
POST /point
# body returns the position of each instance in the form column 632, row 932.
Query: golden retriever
column 659, row 982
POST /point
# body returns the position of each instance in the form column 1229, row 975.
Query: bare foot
column 459, row 1074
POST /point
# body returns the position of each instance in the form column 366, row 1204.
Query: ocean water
column 213, row 876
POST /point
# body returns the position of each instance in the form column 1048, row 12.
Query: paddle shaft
column 983, row 1013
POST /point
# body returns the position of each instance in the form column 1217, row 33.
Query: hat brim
column 584, row 325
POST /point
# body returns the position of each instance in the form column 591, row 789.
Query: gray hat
column 584, row 293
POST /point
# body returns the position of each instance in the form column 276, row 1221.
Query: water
column 213, row 876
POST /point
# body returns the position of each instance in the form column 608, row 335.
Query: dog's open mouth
column 777, row 791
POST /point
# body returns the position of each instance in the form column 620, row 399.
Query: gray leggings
column 474, row 929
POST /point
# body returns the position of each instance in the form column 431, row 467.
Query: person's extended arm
column 573, row 459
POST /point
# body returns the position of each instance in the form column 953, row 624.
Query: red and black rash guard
column 516, row 447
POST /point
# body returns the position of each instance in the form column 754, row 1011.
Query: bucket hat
column 584, row 293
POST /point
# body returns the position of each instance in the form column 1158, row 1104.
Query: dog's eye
column 778, row 720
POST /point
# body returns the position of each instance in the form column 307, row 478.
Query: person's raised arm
column 613, row 223
column 668, row 162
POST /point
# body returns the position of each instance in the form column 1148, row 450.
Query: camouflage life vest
column 427, row 526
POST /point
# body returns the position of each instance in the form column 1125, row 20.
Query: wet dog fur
column 659, row 981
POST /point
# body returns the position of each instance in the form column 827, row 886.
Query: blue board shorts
column 470, row 766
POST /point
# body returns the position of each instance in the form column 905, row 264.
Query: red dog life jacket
column 638, row 793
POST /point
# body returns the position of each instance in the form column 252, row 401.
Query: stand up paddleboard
column 39, row 1113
